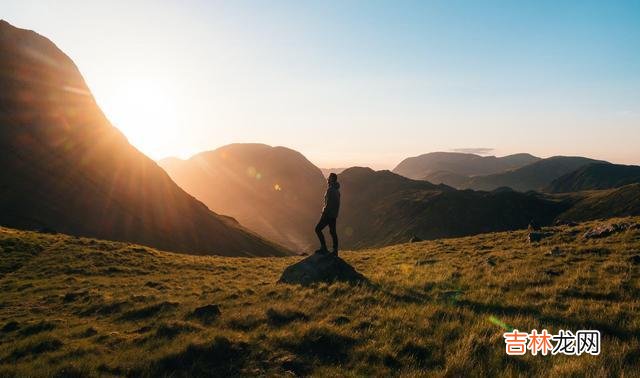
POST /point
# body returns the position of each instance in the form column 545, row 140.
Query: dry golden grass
column 82, row 307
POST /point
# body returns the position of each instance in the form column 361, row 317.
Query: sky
column 358, row 82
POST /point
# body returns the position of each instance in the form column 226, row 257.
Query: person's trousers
column 324, row 222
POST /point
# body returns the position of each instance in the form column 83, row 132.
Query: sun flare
column 145, row 110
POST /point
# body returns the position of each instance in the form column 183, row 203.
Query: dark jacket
column 332, row 201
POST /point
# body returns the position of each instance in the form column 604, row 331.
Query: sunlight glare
column 145, row 110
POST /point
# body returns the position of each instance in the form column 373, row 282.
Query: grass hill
column 382, row 208
column 274, row 191
column 596, row 176
column 535, row 176
column 73, row 306
column 66, row 168
column 459, row 164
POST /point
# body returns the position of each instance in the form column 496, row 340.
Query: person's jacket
column 332, row 201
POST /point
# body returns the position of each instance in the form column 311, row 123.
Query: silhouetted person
column 329, row 214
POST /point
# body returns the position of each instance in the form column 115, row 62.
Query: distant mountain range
column 521, row 172
column 439, row 164
column 274, row 191
column 381, row 207
column 534, row 176
column 66, row 168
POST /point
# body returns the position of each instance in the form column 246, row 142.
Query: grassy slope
column 602, row 204
column 76, row 305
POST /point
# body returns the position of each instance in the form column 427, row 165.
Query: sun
column 144, row 109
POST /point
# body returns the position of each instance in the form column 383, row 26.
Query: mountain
column 274, row 191
column 382, row 208
column 459, row 164
column 601, row 204
column 76, row 307
column 535, row 176
column 448, row 178
column 66, row 168
column 596, row 176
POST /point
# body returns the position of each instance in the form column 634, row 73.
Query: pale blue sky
column 358, row 82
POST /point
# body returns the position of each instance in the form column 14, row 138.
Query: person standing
column 329, row 214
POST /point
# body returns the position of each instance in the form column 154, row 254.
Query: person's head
column 332, row 179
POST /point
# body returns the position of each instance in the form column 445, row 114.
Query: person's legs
column 322, row 223
column 334, row 234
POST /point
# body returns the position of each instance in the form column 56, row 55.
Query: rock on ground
column 206, row 314
column 604, row 230
column 320, row 268
column 536, row 236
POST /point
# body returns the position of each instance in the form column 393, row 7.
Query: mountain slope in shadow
column 66, row 168
column 535, row 176
column 274, row 191
column 381, row 208
column 596, row 176
column 602, row 204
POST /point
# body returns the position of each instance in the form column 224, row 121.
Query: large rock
column 604, row 230
column 320, row 268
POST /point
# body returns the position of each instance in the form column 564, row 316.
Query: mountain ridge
column 275, row 191
column 535, row 176
column 464, row 164
column 595, row 176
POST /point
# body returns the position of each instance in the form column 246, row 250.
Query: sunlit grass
column 88, row 307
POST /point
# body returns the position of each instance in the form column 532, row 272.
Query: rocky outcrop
column 604, row 230
column 320, row 268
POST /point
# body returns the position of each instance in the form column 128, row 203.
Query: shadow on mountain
column 596, row 176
